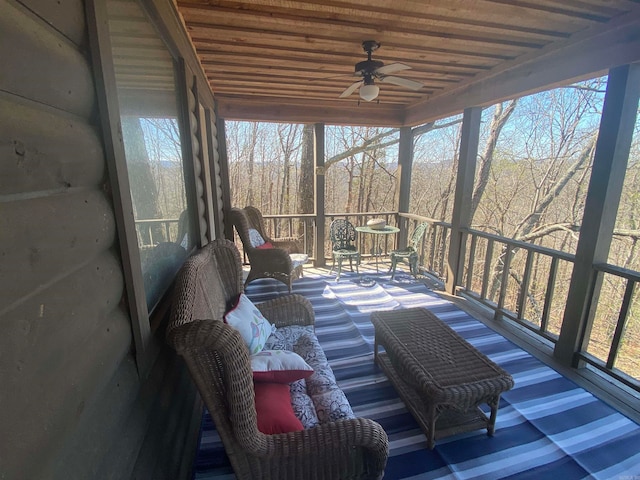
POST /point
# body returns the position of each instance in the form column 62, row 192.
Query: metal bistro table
column 376, row 251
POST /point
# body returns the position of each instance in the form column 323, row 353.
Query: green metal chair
column 343, row 235
column 409, row 254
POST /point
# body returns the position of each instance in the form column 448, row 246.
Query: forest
column 532, row 174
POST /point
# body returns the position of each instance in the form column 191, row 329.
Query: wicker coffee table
column 441, row 378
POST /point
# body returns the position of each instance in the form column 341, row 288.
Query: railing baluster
column 443, row 251
column 622, row 319
column 423, row 248
column 487, row 268
column 304, row 236
column 506, row 266
column 548, row 297
column 472, row 256
column 432, row 247
column 524, row 287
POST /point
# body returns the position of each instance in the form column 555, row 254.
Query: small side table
column 376, row 250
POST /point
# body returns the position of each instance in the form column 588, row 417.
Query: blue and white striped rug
column 547, row 426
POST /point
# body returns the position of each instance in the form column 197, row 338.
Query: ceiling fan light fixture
column 369, row 92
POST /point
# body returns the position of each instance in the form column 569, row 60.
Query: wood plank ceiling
column 289, row 60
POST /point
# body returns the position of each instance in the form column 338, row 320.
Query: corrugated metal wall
column 71, row 402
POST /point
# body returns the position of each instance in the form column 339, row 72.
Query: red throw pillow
column 265, row 245
column 274, row 410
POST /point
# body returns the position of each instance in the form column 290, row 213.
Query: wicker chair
column 410, row 254
column 290, row 244
column 218, row 361
column 342, row 235
column 281, row 262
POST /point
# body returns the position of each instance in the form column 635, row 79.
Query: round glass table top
column 378, row 231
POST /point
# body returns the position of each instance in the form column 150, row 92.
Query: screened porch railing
column 622, row 332
column 153, row 231
column 511, row 277
column 303, row 226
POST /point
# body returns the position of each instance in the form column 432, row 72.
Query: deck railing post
column 318, row 142
column 461, row 216
column 224, row 176
column 603, row 196
column 405, row 162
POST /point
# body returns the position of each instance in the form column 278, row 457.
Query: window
column 146, row 90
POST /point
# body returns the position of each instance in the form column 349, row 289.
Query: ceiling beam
column 335, row 11
column 212, row 31
column 303, row 111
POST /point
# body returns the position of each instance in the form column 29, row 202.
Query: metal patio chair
column 409, row 254
column 343, row 235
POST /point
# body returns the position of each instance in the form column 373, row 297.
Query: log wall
column 71, row 400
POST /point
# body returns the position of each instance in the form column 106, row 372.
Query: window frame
column 144, row 322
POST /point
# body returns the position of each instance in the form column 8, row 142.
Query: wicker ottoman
column 441, row 378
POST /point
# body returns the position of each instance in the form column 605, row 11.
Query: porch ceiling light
column 369, row 92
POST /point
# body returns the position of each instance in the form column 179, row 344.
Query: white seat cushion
column 298, row 259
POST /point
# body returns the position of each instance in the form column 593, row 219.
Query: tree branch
column 500, row 118
column 527, row 225
column 372, row 144
column 547, row 229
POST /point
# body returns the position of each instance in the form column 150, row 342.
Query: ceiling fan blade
column 392, row 68
column 403, row 82
column 351, row 89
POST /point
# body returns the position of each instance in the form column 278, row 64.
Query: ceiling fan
column 371, row 70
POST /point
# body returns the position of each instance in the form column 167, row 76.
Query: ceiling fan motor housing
column 370, row 46
column 368, row 67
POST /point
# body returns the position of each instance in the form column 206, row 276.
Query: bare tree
column 253, row 140
column 500, row 117
column 288, row 138
column 306, row 185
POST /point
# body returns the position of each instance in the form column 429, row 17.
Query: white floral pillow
column 255, row 238
column 286, row 337
column 332, row 405
column 253, row 327
column 303, row 408
column 279, row 366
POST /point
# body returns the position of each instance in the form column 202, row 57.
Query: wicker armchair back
column 218, row 361
column 256, row 220
column 277, row 262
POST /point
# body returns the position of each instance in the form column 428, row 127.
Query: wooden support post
column 405, row 162
column 605, row 187
column 319, row 194
column 185, row 85
column 224, row 177
column 214, row 172
column 461, row 216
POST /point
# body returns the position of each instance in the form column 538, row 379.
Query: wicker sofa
column 219, row 362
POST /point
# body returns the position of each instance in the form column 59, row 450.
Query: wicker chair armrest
column 329, row 441
column 288, row 310
column 277, row 257
column 290, row 244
